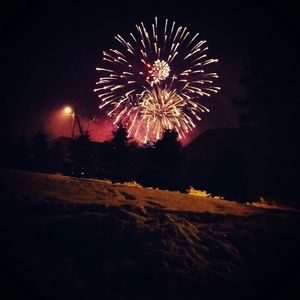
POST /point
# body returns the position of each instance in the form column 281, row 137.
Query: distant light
column 68, row 110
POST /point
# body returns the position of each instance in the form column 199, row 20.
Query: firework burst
column 155, row 79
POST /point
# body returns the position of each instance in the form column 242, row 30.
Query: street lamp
column 68, row 110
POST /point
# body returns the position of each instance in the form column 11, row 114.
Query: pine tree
column 120, row 138
column 81, row 155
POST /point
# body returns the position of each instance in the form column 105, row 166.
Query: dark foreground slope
column 57, row 250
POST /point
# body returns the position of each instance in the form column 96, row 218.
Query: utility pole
column 76, row 120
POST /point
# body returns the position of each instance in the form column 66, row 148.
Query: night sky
column 50, row 52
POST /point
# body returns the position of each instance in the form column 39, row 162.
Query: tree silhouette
column 40, row 152
column 120, row 138
column 262, row 83
column 272, row 113
column 169, row 149
column 121, row 155
column 147, row 165
column 163, row 163
column 81, row 155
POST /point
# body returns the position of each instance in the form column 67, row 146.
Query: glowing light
column 155, row 80
column 68, row 110
column 160, row 70
column 164, row 109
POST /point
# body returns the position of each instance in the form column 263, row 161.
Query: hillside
column 36, row 186
column 69, row 238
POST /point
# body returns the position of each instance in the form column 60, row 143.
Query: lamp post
column 68, row 110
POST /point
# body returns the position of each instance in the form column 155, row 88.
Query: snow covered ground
column 69, row 238
column 38, row 186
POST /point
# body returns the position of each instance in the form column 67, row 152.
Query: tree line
column 160, row 164
column 244, row 171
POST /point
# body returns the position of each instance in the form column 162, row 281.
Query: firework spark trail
column 162, row 109
column 155, row 79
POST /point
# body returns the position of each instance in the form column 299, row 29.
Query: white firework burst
column 157, row 63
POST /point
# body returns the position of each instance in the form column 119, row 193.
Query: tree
column 121, row 156
column 169, row 149
column 40, row 152
column 272, row 112
column 81, row 155
column 163, row 163
column 120, row 138
column 263, row 84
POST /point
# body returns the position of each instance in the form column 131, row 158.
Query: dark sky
column 50, row 50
